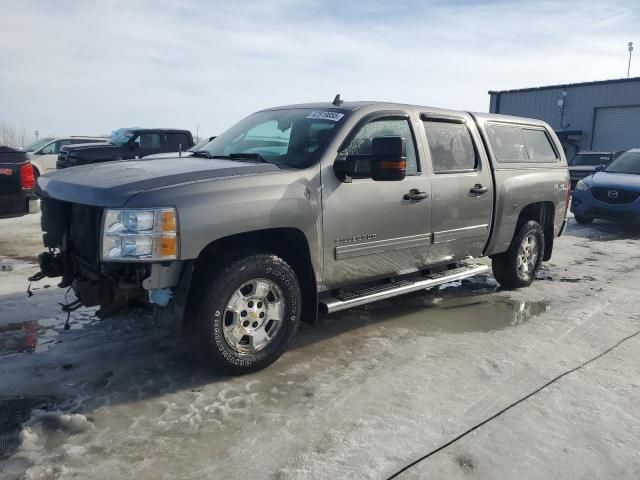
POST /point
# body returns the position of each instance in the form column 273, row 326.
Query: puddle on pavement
column 32, row 335
column 480, row 313
column 472, row 313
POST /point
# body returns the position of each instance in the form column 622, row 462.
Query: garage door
column 616, row 128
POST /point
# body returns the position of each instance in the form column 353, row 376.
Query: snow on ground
column 359, row 395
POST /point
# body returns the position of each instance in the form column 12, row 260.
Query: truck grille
column 84, row 232
column 79, row 223
column 613, row 196
column 62, row 160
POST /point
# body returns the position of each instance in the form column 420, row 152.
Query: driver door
column 371, row 228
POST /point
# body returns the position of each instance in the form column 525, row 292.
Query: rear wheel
column 583, row 220
column 517, row 267
column 248, row 313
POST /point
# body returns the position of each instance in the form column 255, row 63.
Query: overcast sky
column 86, row 67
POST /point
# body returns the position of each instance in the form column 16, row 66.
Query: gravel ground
column 360, row 395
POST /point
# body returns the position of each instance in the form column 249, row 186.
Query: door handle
column 415, row 195
column 478, row 189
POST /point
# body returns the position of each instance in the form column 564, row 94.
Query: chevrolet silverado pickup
column 306, row 209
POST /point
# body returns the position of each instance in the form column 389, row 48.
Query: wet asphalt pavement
column 360, row 395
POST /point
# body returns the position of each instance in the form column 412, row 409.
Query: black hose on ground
column 509, row 407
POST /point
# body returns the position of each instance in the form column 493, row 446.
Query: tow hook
column 50, row 264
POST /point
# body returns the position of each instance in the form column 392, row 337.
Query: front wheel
column 517, row 267
column 249, row 311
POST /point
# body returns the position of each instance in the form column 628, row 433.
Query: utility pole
column 36, row 134
column 630, row 51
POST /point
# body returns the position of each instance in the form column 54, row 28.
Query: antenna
column 336, row 101
column 630, row 46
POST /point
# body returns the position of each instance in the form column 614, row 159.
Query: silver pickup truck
column 303, row 209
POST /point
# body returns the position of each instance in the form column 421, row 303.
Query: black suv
column 126, row 144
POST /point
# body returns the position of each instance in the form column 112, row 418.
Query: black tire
column 205, row 329
column 583, row 220
column 506, row 265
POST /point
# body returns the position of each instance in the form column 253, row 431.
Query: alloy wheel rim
column 527, row 256
column 253, row 315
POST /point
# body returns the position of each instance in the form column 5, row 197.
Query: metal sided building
column 597, row 116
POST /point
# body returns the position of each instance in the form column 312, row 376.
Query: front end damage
column 72, row 234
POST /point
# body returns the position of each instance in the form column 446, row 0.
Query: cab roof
column 370, row 105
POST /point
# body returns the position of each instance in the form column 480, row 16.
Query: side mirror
column 599, row 168
column 388, row 158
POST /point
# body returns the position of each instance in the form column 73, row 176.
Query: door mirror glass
column 388, row 158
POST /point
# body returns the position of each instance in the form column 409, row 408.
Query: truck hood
column 616, row 181
column 112, row 184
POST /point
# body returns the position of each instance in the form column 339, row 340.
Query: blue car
column 612, row 193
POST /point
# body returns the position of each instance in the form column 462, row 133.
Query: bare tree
column 13, row 137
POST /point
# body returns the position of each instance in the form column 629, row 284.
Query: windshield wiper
column 248, row 156
column 201, row 153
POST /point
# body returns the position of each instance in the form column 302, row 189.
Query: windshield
column 121, row 138
column 32, row 147
column 198, row 146
column 590, row 159
column 628, row 162
column 293, row 137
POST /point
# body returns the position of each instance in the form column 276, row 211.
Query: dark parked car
column 584, row 164
column 17, row 179
column 126, row 144
column 196, row 148
column 611, row 193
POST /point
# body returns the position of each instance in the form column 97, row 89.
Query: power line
column 509, row 407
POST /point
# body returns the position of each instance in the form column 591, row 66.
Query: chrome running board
column 373, row 294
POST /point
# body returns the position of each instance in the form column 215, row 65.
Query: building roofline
column 566, row 85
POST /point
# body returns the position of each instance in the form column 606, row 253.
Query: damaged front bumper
column 72, row 233
column 115, row 286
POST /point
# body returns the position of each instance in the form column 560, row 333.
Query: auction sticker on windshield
column 334, row 116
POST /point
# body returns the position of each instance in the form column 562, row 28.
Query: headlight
column 581, row 185
column 149, row 234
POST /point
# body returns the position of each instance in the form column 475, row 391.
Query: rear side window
column 451, row 146
column 512, row 143
column 507, row 143
column 176, row 141
column 538, row 146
